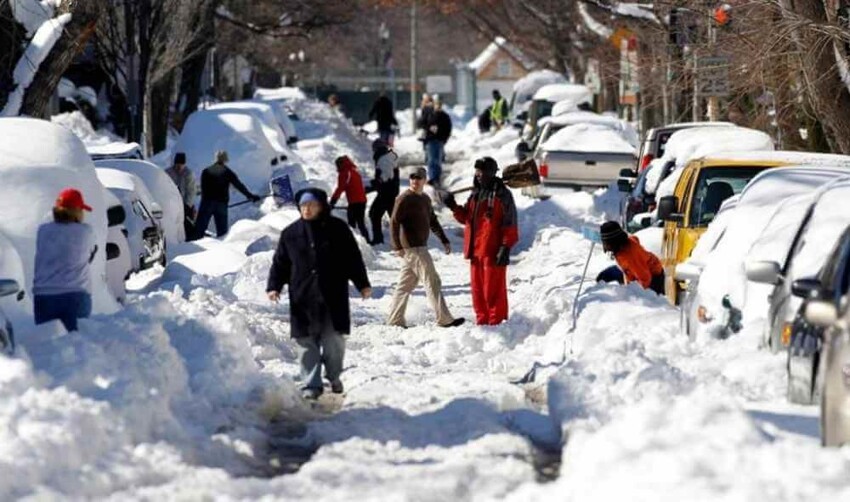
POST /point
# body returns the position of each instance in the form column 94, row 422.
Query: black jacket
column 317, row 259
column 382, row 112
column 215, row 183
column 440, row 119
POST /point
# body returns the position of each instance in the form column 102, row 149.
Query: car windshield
column 715, row 185
column 547, row 132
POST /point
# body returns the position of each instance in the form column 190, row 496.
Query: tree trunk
column 73, row 39
column 191, row 81
column 829, row 96
column 11, row 38
column 159, row 105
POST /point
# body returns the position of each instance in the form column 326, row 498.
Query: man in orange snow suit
column 637, row 264
column 490, row 231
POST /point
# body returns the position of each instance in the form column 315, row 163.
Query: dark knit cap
column 487, row 164
column 179, row 158
column 611, row 231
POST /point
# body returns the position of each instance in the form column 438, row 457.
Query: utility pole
column 713, row 101
column 413, row 64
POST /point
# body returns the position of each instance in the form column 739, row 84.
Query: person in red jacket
column 350, row 182
column 490, row 221
column 637, row 264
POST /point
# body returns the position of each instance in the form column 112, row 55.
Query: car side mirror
column 821, row 313
column 807, row 288
column 627, row 173
column 667, row 208
column 156, row 210
column 687, row 271
column 8, row 287
column 115, row 215
column 624, row 186
column 765, row 272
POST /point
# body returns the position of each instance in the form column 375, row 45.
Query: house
column 498, row 67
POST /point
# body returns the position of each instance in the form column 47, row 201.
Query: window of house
column 504, row 69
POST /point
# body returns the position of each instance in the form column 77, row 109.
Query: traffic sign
column 713, row 76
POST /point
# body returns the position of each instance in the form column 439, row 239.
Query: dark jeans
column 434, row 149
column 67, row 307
column 386, row 136
column 211, row 209
column 382, row 204
column 188, row 222
column 357, row 218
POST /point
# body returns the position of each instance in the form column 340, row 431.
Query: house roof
column 490, row 52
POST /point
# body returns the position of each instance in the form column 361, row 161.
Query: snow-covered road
column 190, row 392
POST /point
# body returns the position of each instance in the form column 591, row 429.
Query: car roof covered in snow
column 561, row 92
column 116, row 149
column 527, row 86
column 588, row 138
column 585, row 117
column 780, row 157
column 285, row 93
column 775, row 184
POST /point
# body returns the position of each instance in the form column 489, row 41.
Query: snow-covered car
column 548, row 96
column 264, row 112
column 38, row 159
column 147, row 243
column 252, row 156
column 282, row 112
column 800, row 236
column 118, row 262
column 164, row 192
column 552, row 124
column 584, row 154
column 15, row 306
column 828, row 310
column 115, row 150
column 524, row 90
column 655, row 141
column 725, row 305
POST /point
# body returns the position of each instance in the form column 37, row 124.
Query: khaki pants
column 418, row 266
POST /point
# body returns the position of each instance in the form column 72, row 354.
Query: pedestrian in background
column 350, row 183
column 183, row 178
column 386, row 183
column 382, row 112
column 438, row 128
column 216, row 181
column 316, row 257
column 412, row 222
column 490, row 231
column 64, row 250
column 498, row 110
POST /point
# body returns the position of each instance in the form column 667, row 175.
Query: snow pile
column 588, row 138
column 98, row 140
column 281, row 93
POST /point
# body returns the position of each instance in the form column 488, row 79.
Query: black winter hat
column 179, row 158
column 612, row 233
column 487, row 164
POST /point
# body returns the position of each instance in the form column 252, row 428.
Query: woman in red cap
column 64, row 251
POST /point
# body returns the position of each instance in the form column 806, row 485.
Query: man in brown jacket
column 412, row 220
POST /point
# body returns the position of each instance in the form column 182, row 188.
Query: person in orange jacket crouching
column 635, row 263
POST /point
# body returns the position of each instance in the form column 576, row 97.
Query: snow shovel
column 520, row 175
column 591, row 234
column 246, row 201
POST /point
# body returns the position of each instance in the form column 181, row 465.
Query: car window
column 715, row 185
column 544, row 109
column 661, row 143
column 640, row 184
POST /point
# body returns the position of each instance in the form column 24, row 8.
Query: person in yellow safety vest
column 499, row 110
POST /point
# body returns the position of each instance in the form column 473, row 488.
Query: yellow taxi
column 701, row 189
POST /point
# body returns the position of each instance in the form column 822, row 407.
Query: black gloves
column 449, row 201
column 333, row 203
column 503, row 256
